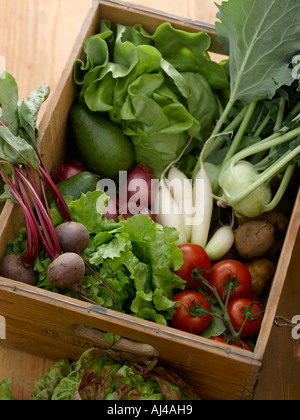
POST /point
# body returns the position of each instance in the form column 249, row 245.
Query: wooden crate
column 42, row 322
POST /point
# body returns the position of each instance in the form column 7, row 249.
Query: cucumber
column 76, row 185
column 101, row 143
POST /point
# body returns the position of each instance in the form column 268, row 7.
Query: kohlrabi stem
column 272, row 141
column 265, row 161
column 262, row 126
column 240, row 133
column 218, row 129
column 294, row 112
column 282, row 187
column 223, row 118
column 268, row 174
column 280, row 114
column 219, row 140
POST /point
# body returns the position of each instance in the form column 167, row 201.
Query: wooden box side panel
column 212, row 371
column 281, row 274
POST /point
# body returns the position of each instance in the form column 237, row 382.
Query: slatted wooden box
column 42, row 322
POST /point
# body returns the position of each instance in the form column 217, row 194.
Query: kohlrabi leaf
column 261, row 38
column 9, row 102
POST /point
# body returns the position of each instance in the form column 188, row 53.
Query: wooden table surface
column 36, row 39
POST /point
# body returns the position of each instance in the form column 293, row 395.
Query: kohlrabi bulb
column 234, row 180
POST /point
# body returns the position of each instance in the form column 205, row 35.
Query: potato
column 262, row 271
column 276, row 217
column 254, row 238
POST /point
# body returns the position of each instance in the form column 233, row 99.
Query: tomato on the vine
column 238, row 274
column 243, row 344
column 194, row 313
column 237, row 310
column 194, row 256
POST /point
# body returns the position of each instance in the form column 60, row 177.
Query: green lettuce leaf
column 45, row 386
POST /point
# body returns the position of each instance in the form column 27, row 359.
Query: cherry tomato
column 236, row 313
column 193, row 256
column 232, row 268
column 182, row 320
column 220, row 339
column 251, row 296
column 65, row 171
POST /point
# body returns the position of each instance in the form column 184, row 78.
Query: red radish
column 138, row 184
column 65, row 171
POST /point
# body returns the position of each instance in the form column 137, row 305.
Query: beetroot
column 72, row 237
column 67, row 272
column 11, row 267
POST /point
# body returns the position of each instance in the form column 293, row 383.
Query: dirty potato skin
column 253, row 239
column 262, row 271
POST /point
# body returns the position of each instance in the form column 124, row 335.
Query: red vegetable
column 239, row 274
column 193, row 315
column 237, row 310
column 136, row 189
column 243, row 344
column 65, row 171
column 193, row 256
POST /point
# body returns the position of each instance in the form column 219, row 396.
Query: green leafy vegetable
column 5, row 393
column 135, row 257
column 259, row 117
column 150, row 89
column 260, row 53
column 109, row 375
column 44, row 388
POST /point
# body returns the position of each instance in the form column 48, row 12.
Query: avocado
column 101, row 143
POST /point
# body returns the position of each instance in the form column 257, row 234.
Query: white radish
column 168, row 212
column 182, row 191
column 220, row 243
column 203, row 203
